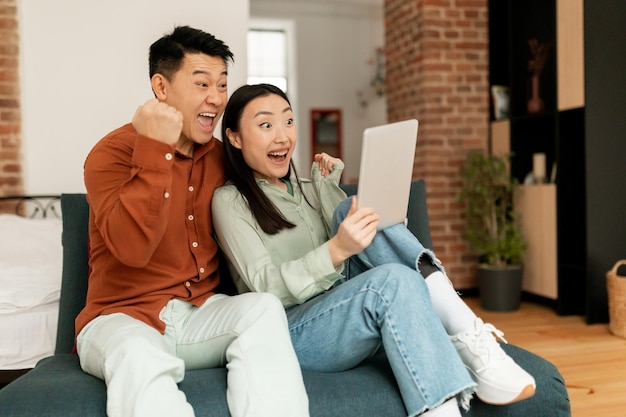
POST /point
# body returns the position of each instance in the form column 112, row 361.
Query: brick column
column 437, row 71
column 10, row 115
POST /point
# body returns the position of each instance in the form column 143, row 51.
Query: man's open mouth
column 206, row 120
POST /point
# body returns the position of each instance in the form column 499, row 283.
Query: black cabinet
column 582, row 129
column 557, row 130
column 605, row 147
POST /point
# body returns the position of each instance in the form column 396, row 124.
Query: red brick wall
column 437, row 71
column 10, row 116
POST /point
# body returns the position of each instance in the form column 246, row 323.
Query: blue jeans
column 382, row 306
column 394, row 244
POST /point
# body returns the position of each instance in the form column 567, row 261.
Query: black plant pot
column 500, row 288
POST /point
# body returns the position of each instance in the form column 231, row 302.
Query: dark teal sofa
column 57, row 387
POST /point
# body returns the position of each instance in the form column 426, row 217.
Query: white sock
column 455, row 315
column 448, row 409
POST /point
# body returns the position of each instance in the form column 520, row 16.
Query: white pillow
column 31, row 261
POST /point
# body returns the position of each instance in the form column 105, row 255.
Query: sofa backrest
column 75, row 218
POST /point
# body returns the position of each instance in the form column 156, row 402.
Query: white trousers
column 246, row 333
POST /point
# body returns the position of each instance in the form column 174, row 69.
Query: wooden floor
column 592, row 360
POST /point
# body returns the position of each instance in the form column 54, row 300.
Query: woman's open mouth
column 279, row 156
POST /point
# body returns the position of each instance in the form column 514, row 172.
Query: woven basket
column 616, row 288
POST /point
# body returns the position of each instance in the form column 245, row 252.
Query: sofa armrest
column 75, row 239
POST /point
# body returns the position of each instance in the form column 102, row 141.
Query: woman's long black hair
column 264, row 211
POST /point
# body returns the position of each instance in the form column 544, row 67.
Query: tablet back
column 386, row 170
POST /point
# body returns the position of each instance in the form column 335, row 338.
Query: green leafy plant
column 492, row 228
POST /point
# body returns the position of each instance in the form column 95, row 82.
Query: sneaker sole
column 496, row 398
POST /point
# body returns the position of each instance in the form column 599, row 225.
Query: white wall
column 84, row 70
column 334, row 48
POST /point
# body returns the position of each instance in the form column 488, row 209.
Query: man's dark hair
column 167, row 54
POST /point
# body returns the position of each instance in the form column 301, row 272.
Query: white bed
column 30, row 280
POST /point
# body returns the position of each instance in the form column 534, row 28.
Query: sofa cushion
column 57, row 387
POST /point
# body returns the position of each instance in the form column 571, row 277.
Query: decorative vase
column 500, row 289
column 535, row 103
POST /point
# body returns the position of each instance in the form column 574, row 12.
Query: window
column 267, row 57
column 272, row 59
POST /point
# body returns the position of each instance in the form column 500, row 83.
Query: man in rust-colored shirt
column 153, row 307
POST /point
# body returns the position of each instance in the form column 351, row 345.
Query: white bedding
column 31, row 258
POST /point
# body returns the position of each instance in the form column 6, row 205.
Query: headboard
column 31, row 206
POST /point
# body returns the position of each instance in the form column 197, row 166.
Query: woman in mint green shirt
column 348, row 290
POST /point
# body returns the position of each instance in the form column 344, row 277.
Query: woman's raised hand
column 326, row 162
column 355, row 233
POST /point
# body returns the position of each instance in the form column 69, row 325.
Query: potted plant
column 492, row 229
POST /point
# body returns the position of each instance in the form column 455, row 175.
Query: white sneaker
column 500, row 380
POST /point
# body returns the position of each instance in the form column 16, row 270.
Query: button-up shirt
column 150, row 228
column 293, row 264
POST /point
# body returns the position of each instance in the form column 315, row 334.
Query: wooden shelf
column 570, row 54
column 536, row 206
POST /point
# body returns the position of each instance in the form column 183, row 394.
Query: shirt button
column 187, row 284
column 166, row 195
column 168, row 156
column 194, row 244
column 190, row 217
column 190, row 188
column 202, row 270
